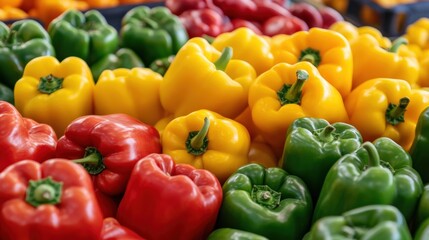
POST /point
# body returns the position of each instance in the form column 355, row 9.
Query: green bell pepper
column 21, row 42
column 161, row 65
column 6, row 94
column 85, row 35
column 421, row 223
column 233, row 234
column 123, row 58
column 377, row 173
column 419, row 150
column 266, row 201
column 371, row 222
column 153, row 33
column 316, row 143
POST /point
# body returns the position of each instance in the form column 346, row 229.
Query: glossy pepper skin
column 23, row 138
column 21, row 42
column 398, row 61
column 223, row 76
column 370, row 222
column 332, row 57
column 386, row 107
column 50, row 200
column 55, row 92
column 421, row 221
column 266, row 201
column 417, row 33
column 196, row 192
column 243, row 39
column 202, row 22
column 207, row 140
column 6, row 94
column 152, row 33
column 122, row 58
column 233, row 234
column 113, row 230
column 129, row 85
column 101, row 143
column 287, row 92
column 84, row 35
column 317, row 143
column 378, row 173
column 419, row 150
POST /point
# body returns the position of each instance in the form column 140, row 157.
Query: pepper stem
column 50, row 84
column 292, row 94
column 265, row 196
column 197, row 141
column 326, row 134
column 397, row 43
column 374, row 158
column 43, row 191
column 92, row 161
column 395, row 113
column 224, row 59
column 311, row 55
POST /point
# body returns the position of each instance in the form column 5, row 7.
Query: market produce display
column 211, row 119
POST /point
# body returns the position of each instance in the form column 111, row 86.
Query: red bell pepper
column 202, row 22
column 108, row 204
column 108, row 146
column 283, row 25
column 23, row 138
column 49, row 200
column 308, row 13
column 165, row 200
column 113, row 230
column 177, row 7
column 254, row 26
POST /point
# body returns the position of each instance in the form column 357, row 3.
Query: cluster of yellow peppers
column 225, row 103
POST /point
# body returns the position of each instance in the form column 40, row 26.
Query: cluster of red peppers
column 265, row 17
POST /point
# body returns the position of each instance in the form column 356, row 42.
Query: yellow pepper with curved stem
column 207, row 140
column 201, row 77
column 351, row 32
column 242, row 40
column 132, row 91
column 287, row 92
column 372, row 61
column 386, row 107
column 418, row 33
column 54, row 92
column 326, row 49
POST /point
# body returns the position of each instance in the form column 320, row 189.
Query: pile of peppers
column 148, row 133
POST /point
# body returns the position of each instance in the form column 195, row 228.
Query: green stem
column 50, row 84
column 374, row 158
column 265, row 196
column 397, row 43
column 395, row 113
column 326, row 134
column 311, row 55
column 224, row 59
column 197, row 141
column 43, row 191
column 292, row 94
column 92, row 161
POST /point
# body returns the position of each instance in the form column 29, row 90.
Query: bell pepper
column 378, row 173
column 418, row 33
column 113, row 230
column 55, row 92
column 370, row 222
column 23, row 138
column 201, row 22
column 307, row 12
column 233, row 234
column 207, row 140
column 161, row 65
column 421, row 221
column 122, row 58
column 129, row 85
column 283, row 25
column 419, row 150
column 84, row 35
column 243, row 39
column 102, row 3
column 423, row 58
column 398, row 61
column 177, row 7
column 262, row 153
column 50, row 200
column 6, row 94
column 266, row 201
column 8, row 13
column 287, row 92
column 108, row 204
column 197, row 196
column 22, row 41
column 386, row 107
column 108, row 147
column 237, row 23
column 152, row 33
column 317, row 143
column 13, row 3
column 48, row 10
column 223, row 76
column 332, row 57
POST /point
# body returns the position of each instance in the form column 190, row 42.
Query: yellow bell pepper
column 326, row 49
column 351, row 32
column 132, row 91
column 418, row 33
column 260, row 152
column 286, row 92
column 372, row 61
column 54, row 92
column 12, row 13
column 200, row 77
column 423, row 80
column 207, row 140
column 243, row 39
column 386, row 107
column 47, row 10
